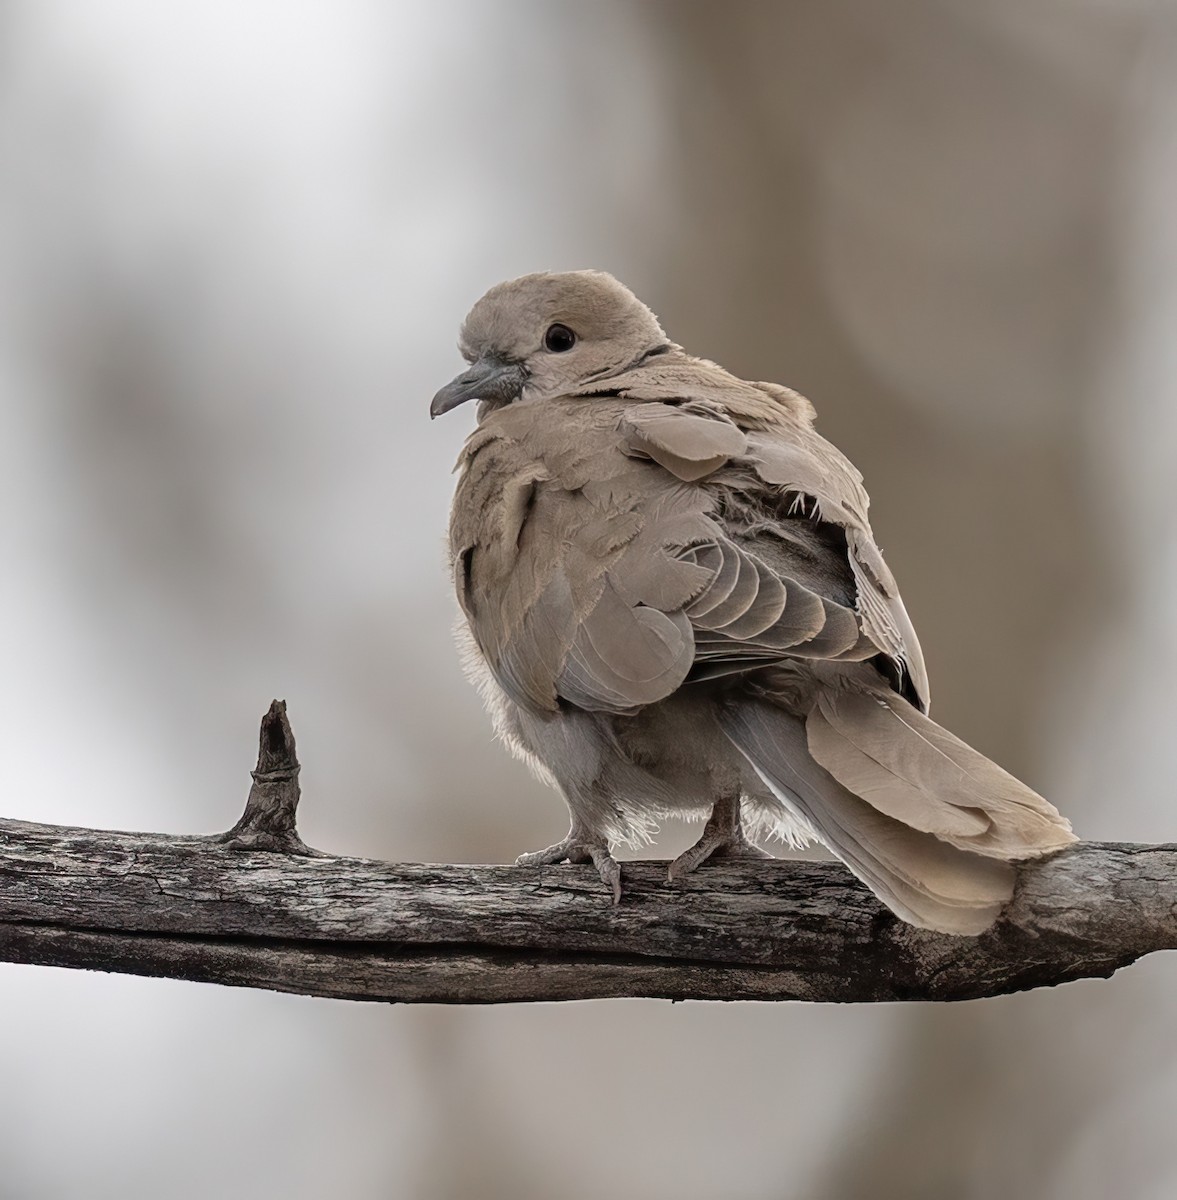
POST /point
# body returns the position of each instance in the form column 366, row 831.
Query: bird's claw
column 723, row 837
column 579, row 849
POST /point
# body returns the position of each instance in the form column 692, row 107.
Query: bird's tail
column 927, row 823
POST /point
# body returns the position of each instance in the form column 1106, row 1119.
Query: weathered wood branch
column 256, row 908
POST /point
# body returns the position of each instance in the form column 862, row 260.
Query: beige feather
column 690, row 441
column 907, row 766
column 624, row 657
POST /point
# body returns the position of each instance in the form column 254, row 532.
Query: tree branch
column 256, row 908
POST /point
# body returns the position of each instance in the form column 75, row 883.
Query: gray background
column 236, row 241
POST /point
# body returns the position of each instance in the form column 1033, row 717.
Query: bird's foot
column 578, row 847
column 723, row 837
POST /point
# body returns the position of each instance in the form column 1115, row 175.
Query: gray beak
column 489, row 378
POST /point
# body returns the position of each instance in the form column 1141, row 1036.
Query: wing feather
column 806, row 464
column 690, row 440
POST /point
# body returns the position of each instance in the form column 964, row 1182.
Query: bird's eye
column 559, row 338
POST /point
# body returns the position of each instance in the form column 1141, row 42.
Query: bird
column 673, row 606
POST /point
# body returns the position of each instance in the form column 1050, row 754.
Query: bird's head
column 549, row 335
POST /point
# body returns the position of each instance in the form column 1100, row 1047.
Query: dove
column 674, row 606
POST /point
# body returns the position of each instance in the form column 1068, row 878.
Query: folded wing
column 612, row 575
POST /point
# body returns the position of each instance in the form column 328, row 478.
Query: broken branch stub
column 270, row 818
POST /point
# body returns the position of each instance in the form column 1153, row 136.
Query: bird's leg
column 578, row 847
column 723, row 836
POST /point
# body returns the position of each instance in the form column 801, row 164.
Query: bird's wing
column 799, row 461
column 548, row 507
column 798, row 497
column 597, row 565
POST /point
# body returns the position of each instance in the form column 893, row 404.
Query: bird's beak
column 489, row 378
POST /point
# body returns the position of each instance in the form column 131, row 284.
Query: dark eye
column 559, row 338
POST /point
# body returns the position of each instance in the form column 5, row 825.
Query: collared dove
column 674, row 607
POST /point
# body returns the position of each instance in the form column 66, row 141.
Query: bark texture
column 256, row 908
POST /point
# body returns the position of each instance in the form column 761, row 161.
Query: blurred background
column 236, row 243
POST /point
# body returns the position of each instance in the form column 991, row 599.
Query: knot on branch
column 269, row 820
column 286, row 775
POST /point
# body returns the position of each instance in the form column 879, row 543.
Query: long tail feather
column 888, row 753
column 920, row 877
